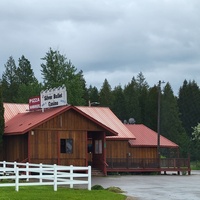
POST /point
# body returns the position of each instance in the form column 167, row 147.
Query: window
column 98, row 146
column 66, row 146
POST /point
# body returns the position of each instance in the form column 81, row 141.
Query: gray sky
column 113, row 39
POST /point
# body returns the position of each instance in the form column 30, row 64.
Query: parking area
column 155, row 187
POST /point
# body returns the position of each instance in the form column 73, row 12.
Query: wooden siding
column 70, row 120
column 69, row 125
column 43, row 147
column 79, row 155
column 121, row 149
column 16, row 148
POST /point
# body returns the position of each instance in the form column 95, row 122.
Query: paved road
column 155, row 187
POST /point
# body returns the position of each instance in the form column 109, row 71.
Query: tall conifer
column 2, row 123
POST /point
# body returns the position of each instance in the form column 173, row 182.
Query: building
column 80, row 136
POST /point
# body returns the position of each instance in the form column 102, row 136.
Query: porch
column 148, row 165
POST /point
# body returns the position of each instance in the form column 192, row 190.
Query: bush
column 97, row 187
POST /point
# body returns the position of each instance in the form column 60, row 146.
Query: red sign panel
column 34, row 103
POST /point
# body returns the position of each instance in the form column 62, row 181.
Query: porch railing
column 148, row 164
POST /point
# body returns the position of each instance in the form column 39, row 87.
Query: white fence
column 27, row 174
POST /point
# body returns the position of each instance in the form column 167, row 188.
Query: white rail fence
column 27, row 174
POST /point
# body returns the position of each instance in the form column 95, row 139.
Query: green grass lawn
column 46, row 192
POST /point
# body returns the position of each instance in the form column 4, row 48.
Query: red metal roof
column 147, row 137
column 105, row 116
column 23, row 121
column 12, row 109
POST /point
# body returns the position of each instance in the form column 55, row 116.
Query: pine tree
column 118, row 103
column 24, row 72
column 28, row 84
column 2, row 122
column 143, row 88
column 93, row 94
column 189, row 105
column 105, row 94
column 132, row 105
column 171, row 126
column 152, row 108
column 9, row 81
column 58, row 71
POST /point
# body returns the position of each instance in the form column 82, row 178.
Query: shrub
column 97, row 187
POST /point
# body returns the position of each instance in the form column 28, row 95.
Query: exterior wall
column 70, row 120
column 44, row 145
column 15, row 148
column 79, row 155
column 116, row 149
column 121, row 149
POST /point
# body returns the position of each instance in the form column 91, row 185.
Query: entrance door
column 96, row 150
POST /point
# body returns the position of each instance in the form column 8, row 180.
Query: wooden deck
column 148, row 165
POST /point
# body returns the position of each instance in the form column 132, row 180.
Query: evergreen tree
column 93, row 94
column 105, row 94
column 143, row 88
column 9, row 81
column 152, row 108
column 24, row 72
column 132, row 105
column 118, row 103
column 189, row 105
column 58, row 71
column 2, row 123
column 28, row 84
column 171, row 126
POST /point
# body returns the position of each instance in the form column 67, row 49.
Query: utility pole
column 158, row 122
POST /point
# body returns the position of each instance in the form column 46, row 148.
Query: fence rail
column 28, row 174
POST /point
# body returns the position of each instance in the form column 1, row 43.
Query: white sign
column 53, row 97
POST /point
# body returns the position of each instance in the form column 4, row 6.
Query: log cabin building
column 82, row 136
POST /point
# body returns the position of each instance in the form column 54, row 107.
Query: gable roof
column 147, row 137
column 109, row 119
column 23, row 121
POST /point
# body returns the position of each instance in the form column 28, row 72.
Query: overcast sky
column 112, row 39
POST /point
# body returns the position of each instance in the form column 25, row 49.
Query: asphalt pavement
column 155, row 187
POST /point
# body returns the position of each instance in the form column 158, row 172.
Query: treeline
column 135, row 100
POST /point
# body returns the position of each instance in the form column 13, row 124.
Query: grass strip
column 46, row 193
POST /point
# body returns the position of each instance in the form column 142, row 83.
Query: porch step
column 97, row 172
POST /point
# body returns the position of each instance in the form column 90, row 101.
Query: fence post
column 15, row 164
column 40, row 172
column 71, row 176
column 55, row 177
column 16, row 179
column 89, row 178
column 4, row 166
column 27, row 171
